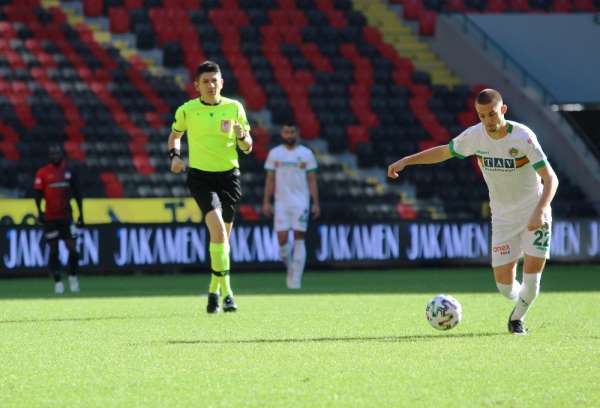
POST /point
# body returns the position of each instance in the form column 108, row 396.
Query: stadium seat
column 119, row 20
column 318, row 63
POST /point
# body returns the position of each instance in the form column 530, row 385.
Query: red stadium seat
column 297, row 18
column 112, row 186
column 466, row 119
column 427, row 23
column 412, row 9
column 119, row 20
column 134, row 4
column 586, row 6
column 355, row 135
column 519, row 5
column 309, row 127
column 373, row 36
column 496, row 6
column 456, row 5
column 287, row 4
column 562, row 6
column 93, row 8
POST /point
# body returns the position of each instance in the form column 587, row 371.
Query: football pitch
column 348, row 339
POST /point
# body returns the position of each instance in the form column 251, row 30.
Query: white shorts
column 291, row 218
column 534, row 243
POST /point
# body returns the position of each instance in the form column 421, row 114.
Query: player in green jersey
column 216, row 127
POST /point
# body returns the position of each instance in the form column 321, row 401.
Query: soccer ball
column 443, row 312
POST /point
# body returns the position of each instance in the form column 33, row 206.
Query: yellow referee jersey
column 211, row 141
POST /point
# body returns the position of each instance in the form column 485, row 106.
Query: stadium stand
column 415, row 8
column 372, row 94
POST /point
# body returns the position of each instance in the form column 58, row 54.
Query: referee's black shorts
column 216, row 189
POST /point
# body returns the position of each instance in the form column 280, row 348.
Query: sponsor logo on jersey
column 278, row 164
column 498, row 163
column 502, row 163
column 502, row 249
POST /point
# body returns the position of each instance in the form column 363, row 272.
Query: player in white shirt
column 291, row 174
column 521, row 186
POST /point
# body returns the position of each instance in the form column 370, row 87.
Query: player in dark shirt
column 57, row 183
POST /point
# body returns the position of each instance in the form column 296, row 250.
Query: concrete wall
column 465, row 56
column 562, row 51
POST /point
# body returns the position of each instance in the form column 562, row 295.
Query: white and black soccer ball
column 443, row 312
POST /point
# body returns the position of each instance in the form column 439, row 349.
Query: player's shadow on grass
column 88, row 319
column 407, row 338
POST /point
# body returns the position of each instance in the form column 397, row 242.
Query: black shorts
column 216, row 190
column 59, row 229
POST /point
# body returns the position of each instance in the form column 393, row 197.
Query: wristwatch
column 174, row 152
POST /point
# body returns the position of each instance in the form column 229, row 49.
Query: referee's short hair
column 207, row 66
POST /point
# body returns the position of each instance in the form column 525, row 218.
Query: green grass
column 349, row 339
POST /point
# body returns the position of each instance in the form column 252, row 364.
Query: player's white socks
column 59, row 288
column 509, row 291
column 285, row 254
column 298, row 261
column 529, row 291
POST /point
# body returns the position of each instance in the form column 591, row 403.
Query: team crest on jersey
column 513, row 152
column 225, row 126
column 302, row 165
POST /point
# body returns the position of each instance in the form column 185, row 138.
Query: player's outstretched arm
column 174, row 146
column 433, row 155
column 550, row 181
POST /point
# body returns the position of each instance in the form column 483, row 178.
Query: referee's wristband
column 174, row 153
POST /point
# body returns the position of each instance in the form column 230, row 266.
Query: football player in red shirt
column 57, row 183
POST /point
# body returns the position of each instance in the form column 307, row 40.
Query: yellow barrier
column 104, row 211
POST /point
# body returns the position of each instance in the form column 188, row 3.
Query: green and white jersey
column 509, row 168
column 211, row 142
column 291, row 167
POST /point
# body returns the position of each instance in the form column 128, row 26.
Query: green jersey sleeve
column 179, row 125
column 241, row 117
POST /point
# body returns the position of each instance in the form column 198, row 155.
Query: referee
column 216, row 127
